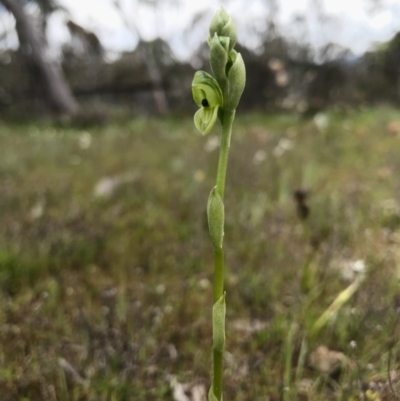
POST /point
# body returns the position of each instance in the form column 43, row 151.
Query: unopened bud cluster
column 229, row 74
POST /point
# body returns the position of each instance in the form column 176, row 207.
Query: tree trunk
column 33, row 46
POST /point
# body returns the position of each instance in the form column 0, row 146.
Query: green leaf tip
column 211, row 395
column 332, row 310
column 218, row 316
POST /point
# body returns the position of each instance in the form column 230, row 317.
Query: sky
column 354, row 24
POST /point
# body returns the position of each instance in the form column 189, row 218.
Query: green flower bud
column 219, row 50
column 208, row 96
column 235, row 83
column 231, row 59
column 218, row 316
column 222, row 25
column 216, row 217
column 223, row 41
column 220, row 19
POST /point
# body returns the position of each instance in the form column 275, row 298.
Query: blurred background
column 106, row 266
column 114, row 57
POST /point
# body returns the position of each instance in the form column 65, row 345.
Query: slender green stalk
column 218, row 98
column 218, row 373
column 218, row 273
column 228, row 118
column 221, row 176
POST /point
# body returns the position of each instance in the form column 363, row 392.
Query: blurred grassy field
column 106, row 266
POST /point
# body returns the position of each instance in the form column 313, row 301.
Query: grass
column 107, row 297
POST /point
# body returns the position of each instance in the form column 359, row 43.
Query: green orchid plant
column 218, row 98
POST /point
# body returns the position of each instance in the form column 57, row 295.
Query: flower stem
column 227, row 122
column 218, row 273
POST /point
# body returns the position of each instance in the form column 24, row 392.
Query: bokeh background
column 106, row 267
column 138, row 57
